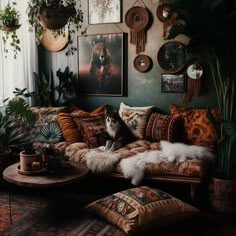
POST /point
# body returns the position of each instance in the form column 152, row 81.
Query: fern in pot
column 209, row 25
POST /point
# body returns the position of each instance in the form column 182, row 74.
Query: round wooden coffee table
column 71, row 174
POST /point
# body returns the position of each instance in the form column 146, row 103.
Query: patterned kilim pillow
column 162, row 127
column 141, row 208
column 135, row 118
column 91, row 128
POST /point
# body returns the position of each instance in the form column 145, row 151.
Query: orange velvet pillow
column 198, row 130
column 68, row 126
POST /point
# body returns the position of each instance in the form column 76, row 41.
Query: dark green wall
column 143, row 89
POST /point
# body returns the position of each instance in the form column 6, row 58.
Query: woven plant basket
column 222, row 195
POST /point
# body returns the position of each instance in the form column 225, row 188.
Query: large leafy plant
column 210, row 27
column 16, row 115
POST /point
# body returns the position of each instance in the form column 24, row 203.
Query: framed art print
column 173, row 83
column 104, row 11
column 100, row 64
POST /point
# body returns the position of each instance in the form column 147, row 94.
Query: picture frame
column 173, row 83
column 104, row 11
column 100, row 64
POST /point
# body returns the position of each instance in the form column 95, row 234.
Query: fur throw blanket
column 134, row 167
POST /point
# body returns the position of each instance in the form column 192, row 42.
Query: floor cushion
column 141, row 208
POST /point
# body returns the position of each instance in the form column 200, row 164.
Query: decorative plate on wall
column 172, row 56
column 164, row 12
column 194, row 71
column 142, row 63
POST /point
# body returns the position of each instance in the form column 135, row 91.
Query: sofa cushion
column 198, row 130
column 43, row 115
column 135, row 118
column 162, row 127
column 90, row 128
column 141, row 208
column 69, row 128
column 191, row 168
column 68, row 125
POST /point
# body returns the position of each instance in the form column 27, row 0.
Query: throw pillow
column 42, row 115
column 68, row 125
column 69, row 128
column 198, row 130
column 135, row 118
column 162, row 127
column 141, row 208
column 90, row 129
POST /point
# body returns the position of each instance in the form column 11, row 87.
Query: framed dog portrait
column 100, row 64
column 173, row 83
column 104, row 11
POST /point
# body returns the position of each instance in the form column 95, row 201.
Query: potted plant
column 209, row 24
column 10, row 139
column 55, row 15
column 9, row 23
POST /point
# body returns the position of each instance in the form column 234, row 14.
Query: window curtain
column 18, row 72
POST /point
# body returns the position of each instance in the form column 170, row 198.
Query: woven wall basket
column 137, row 18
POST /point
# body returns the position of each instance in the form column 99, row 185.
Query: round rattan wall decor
column 142, row 63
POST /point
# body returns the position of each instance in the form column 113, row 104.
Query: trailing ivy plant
column 72, row 8
column 9, row 23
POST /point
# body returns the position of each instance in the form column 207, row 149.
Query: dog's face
column 100, row 52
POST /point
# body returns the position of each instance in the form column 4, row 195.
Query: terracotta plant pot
column 222, row 195
column 26, row 160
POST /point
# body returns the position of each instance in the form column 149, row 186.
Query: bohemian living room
column 117, row 117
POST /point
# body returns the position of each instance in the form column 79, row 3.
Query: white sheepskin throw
column 180, row 152
column 101, row 162
column 133, row 167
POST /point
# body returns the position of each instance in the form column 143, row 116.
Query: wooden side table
column 72, row 174
column 62, row 177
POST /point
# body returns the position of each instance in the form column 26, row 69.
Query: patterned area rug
column 35, row 216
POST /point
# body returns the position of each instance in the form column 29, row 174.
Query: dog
column 100, row 65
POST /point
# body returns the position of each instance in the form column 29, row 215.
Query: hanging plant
column 9, row 23
column 56, row 15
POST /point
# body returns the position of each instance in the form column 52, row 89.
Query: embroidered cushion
column 198, row 130
column 162, row 127
column 68, row 125
column 135, row 118
column 137, row 209
column 90, row 129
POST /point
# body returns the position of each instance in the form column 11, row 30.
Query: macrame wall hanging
column 137, row 19
column 166, row 15
column 194, row 76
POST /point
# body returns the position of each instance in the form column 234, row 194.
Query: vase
column 222, row 195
